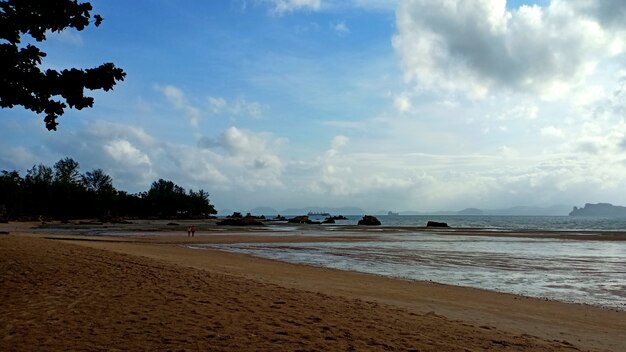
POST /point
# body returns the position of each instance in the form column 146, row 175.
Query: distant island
column 600, row 209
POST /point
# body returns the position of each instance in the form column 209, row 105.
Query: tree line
column 61, row 192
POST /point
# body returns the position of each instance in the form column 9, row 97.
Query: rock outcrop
column 241, row 221
column 369, row 220
column 436, row 224
column 600, row 209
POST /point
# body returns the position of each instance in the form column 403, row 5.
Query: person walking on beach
column 189, row 231
column 193, row 230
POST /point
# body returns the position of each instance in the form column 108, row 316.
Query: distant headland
column 600, row 209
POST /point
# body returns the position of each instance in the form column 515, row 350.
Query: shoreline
column 580, row 325
column 152, row 227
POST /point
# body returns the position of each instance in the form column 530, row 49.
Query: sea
column 580, row 271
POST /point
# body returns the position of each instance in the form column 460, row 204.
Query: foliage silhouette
column 62, row 192
column 22, row 81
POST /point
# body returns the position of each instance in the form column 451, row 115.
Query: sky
column 400, row 105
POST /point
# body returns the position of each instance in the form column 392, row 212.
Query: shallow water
column 499, row 222
column 589, row 272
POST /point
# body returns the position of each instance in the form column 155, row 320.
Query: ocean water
column 555, row 223
column 587, row 272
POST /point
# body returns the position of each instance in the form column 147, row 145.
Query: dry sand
column 150, row 294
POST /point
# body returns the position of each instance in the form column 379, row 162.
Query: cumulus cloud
column 124, row 152
column 253, row 155
column 285, row 6
column 177, row 98
column 241, row 142
column 199, row 167
column 480, row 47
column 609, row 12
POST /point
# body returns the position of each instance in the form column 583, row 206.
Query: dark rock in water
column 369, row 220
column 248, row 215
column 302, row 219
column 329, row 221
column 338, row 217
column 236, row 215
column 277, row 218
column 436, row 224
column 247, row 221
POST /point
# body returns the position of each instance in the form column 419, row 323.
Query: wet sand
column 149, row 293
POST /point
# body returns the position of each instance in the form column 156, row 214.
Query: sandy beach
column 149, row 293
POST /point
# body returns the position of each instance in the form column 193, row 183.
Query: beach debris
column 369, row 220
column 436, row 224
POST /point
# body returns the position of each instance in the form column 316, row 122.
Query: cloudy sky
column 402, row 105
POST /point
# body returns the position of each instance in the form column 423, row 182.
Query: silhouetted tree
column 166, row 198
column 198, row 204
column 66, row 171
column 40, row 174
column 100, row 193
column 11, row 194
column 22, row 82
column 98, row 181
column 38, row 190
column 61, row 192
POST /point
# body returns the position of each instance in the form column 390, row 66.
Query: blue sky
column 401, row 105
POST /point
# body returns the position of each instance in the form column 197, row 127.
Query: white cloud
column 124, row 152
column 480, row 47
column 198, row 167
column 177, row 98
column 339, row 141
column 285, row 6
column 216, row 104
column 402, row 103
column 240, row 142
column 551, row 131
column 131, row 165
column 251, row 157
column 522, row 112
column 341, row 28
column 237, row 107
column 67, row 36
